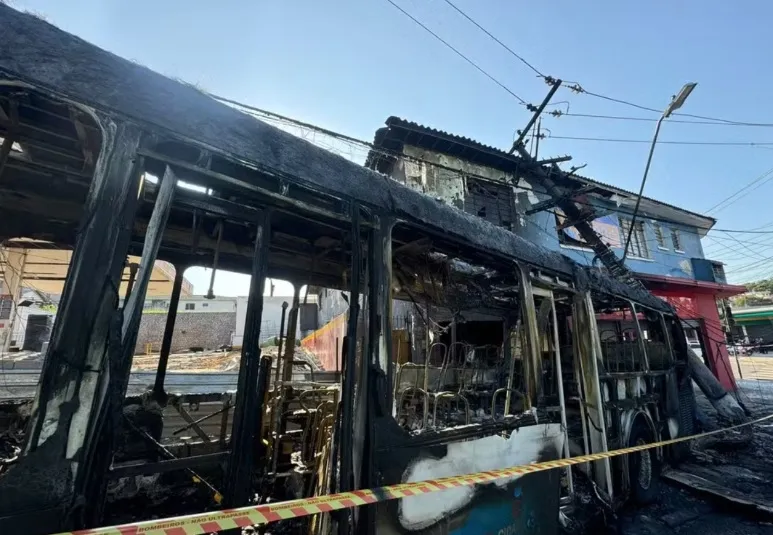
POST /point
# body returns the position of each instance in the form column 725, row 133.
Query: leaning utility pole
column 559, row 186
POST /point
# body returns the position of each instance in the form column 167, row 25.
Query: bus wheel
column 643, row 466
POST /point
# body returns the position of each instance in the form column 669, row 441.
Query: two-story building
column 665, row 249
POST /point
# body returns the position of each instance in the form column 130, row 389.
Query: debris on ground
column 724, row 487
column 218, row 361
column 204, row 361
column 10, row 448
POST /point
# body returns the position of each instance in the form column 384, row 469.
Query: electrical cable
column 484, row 30
column 743, row 231
column 576, row 87
column 457, row 52
column 271, row 116
column 654, row 120
column 742, row 192
column 649, row 141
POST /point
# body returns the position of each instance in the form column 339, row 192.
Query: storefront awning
column 685, row 287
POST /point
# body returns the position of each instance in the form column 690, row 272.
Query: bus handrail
column 451, row 395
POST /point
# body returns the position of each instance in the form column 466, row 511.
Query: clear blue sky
column 349, row 64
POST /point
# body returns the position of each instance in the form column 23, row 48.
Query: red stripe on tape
column 243, row 521
column 299, row 511
column 270, row 515
column 210, row 527
column 325, row 507
column 365, row 495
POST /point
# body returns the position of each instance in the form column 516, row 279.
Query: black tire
column 679, row 452
column 643, row 466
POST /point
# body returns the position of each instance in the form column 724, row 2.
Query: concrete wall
column 272, row 316
column 209, row 330
column 196, row 303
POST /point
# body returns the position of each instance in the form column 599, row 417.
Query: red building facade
column 698, row 303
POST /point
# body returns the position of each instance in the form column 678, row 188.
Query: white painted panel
column 524, row 446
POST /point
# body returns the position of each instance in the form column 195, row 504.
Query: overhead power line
column 744, row 231
column 457, row 52
column 743, row 191
column 559, row 113
column 492, row 36
column 576, row 87
column 649, row 141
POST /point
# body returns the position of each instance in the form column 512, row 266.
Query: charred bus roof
column 37, row 56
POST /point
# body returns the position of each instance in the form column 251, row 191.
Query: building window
column 190, row 306
column 204, row 305
column 490, row 201
column 158, row 304
column 719, row 273
column 661, row 239
column 638, row 245
column 6, row 304
column 676, row 239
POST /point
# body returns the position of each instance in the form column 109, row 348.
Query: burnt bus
column 461, row 347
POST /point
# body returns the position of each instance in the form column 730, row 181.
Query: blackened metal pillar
column 132, row 310
column 45, row 489
column 279, row 346
column 292, row 335
column 346, row 473
column 122, row 339
column 249, row 401
column 166, row 341
column 133, row 268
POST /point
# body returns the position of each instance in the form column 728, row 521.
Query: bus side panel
column 527, row 504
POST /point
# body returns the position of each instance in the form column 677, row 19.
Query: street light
column 679, row 99
column 676, row 103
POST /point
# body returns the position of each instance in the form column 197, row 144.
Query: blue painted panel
column 667, row 261
column 528, row 505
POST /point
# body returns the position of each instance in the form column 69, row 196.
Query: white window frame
column 677, row 243
column 638, row 243
column 660, row 238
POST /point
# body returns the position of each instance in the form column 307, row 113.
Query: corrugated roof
column 400, row 131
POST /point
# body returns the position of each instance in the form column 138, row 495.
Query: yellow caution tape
column 212, row 522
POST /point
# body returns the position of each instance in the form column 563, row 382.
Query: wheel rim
column 645, row 466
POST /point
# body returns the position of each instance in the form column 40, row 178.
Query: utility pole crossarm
column 567, row 205
column 523, row 133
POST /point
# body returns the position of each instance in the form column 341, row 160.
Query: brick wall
column 209, row 330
